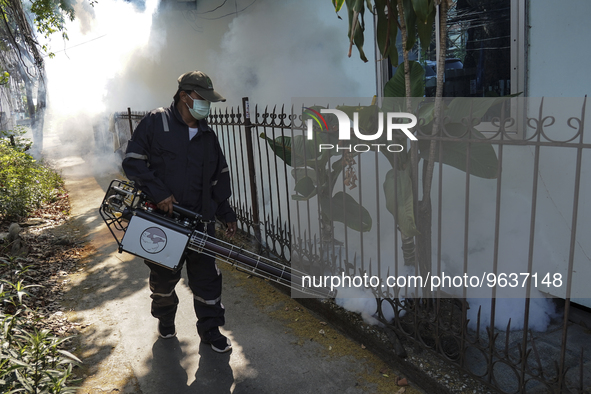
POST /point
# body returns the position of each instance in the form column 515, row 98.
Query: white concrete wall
column 559, row 55
column 558, row 66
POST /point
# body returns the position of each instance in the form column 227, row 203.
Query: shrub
column 25, row 183
column 16, row 139
column 31, row 360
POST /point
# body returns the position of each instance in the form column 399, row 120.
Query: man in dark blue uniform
column 175, row 157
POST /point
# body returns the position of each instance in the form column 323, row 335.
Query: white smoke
column 284, row 49
column 103, row 41
column 508, row 310
column 125, row 55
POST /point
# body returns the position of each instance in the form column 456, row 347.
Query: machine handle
column 186, row 212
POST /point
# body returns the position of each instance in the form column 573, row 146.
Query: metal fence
column 258, row 175
column 554, row 358
column 514, row 354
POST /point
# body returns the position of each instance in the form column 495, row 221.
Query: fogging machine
column 142, row 230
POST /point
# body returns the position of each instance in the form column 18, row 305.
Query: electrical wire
column 216, row 8
column 77, row 45
column 228, row 14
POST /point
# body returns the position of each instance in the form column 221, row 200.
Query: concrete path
column 278, row 346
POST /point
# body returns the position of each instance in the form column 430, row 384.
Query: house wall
column 559, row 55
column 556, row 55
column 558, row 59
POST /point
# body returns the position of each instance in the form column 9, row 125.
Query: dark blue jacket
column 162, row 161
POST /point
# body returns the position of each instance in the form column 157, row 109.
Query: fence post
column 130, row 123
column 252, row 174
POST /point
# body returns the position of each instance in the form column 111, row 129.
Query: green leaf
column 423, row 8
column 298, row 151
column 300, row 173
column 344, row 209
column 358, row 37
column 425, row 30
column 393, row 49
column 297, row 197
column 461, row 107
column 395, row 86
column 411, row 24
column 305, row 188
column 387, row 30
column 426, row 112
column 338, row 4
column 307, row 181
column 356, row 7
column 302, row 150
column 483, row 158
column 281, row 146
column 399, row 200
column 4, row 78
column 69, row 355
column 382, row 27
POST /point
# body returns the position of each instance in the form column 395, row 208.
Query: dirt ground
column 49, row 249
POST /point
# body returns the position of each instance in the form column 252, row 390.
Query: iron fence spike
column 478, row 322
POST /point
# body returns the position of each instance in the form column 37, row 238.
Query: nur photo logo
column 402, row 121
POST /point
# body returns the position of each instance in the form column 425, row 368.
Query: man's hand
column 166, row 205
column 230, row 229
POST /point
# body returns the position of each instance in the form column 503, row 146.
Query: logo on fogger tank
column 153, row 240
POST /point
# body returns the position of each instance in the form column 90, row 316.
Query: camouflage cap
column 201, row 83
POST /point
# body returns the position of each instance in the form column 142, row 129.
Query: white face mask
column 200, row 108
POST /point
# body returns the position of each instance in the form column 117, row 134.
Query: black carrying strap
column 206, row 192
